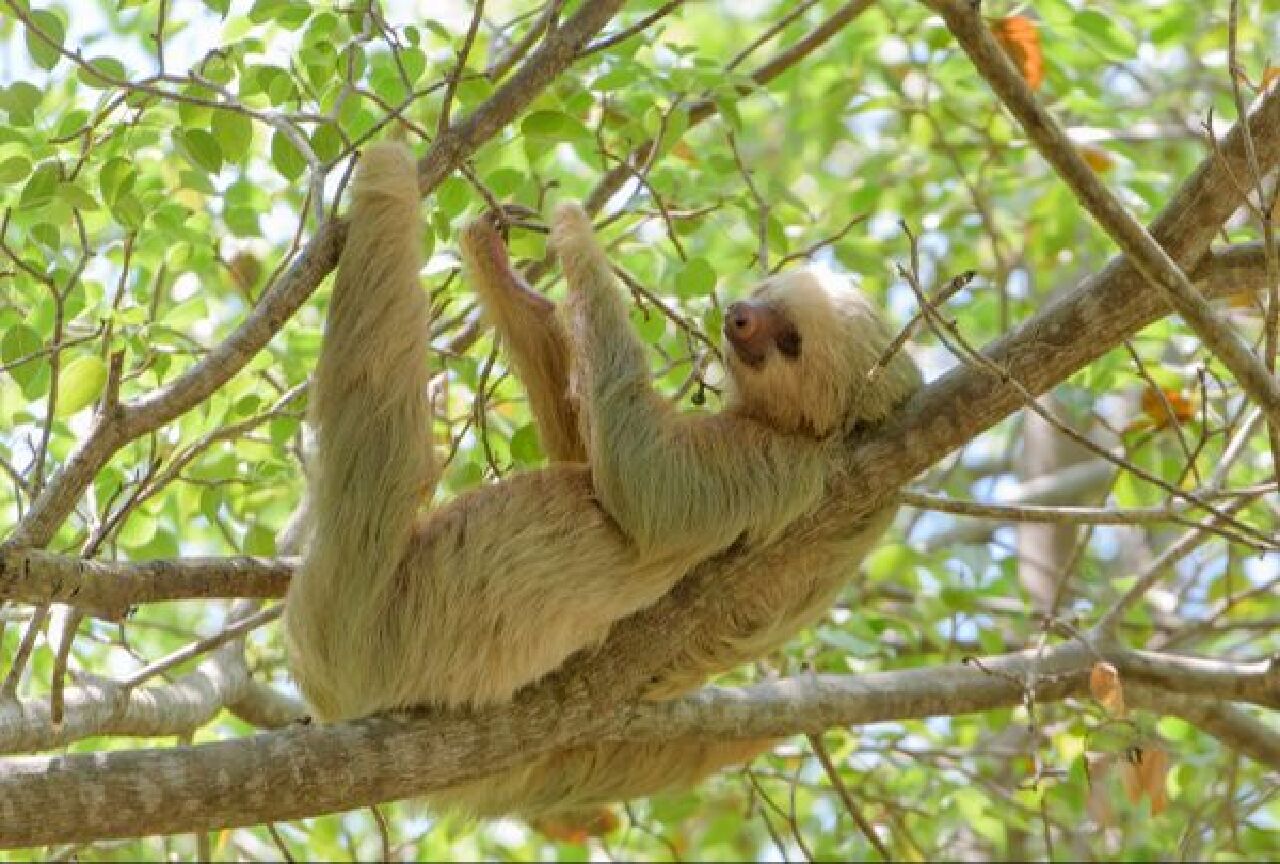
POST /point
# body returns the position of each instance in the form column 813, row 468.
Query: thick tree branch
column 307, row 770
column 1144, row 253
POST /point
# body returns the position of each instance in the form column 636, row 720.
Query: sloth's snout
column 741, row 322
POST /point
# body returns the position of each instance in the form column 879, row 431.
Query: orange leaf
column 579, row 827
column 1174, row 407
column 1096, row 158
column 1104, row 684
column 1269, row 76
column 1020, row 39
column 1152, row 767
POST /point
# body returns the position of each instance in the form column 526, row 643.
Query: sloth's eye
column 788, row 343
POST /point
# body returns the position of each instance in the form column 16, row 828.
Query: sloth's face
column 799, row 350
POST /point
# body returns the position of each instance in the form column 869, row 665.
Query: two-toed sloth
column 463, row 605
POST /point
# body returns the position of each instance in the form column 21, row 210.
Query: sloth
column 459, row 606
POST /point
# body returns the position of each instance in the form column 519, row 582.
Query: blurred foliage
column 146, row 209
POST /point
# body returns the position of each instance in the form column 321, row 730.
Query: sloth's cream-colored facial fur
column 799, row 353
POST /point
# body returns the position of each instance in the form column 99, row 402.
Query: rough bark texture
column 309, row 770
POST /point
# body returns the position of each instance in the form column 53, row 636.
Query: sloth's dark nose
column 741, row 321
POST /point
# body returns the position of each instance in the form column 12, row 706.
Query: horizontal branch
column 1058, row 515
column 36, row 576
column 308, row 770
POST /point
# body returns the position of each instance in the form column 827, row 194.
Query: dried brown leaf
column 1104, row 684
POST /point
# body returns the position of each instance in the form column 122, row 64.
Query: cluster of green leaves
column 147, row 214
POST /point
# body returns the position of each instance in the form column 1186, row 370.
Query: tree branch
column 101, row 708
column 1144, row 253
column 36, row 576
column 308, row 770
column 1229, row 723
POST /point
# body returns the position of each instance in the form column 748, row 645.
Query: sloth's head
column 799, row 350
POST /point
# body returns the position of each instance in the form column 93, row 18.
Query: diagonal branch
column 1145, row 254
column 98, row 708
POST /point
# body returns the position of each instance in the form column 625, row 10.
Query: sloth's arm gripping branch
column 533, row 336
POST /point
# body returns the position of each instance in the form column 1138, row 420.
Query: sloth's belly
column 507, row 581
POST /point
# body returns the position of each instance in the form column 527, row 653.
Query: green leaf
column 80, row 383
column 21, row 100
column 452, row 196
column 72, row 122
column 128, row 211
column 265, row 10
column 326, row 141
column 219, row 6
column 76, row 196
column 41, row 187
column 525, row 447
column 202, row 148
column 285, row 157
column 103, row 72
column 290, row 14
column 14, row 169
column 233, row 132
column 414, row 62
column 43, row 54
column 47, row 235
column 243, row 221
column 695, row 279
column 115, row 178
column 19, row 343
column 649, row 323
column 958, row 599
column 551, row 126
column 258, row 540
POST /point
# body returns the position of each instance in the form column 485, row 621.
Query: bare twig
column 850, row 806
